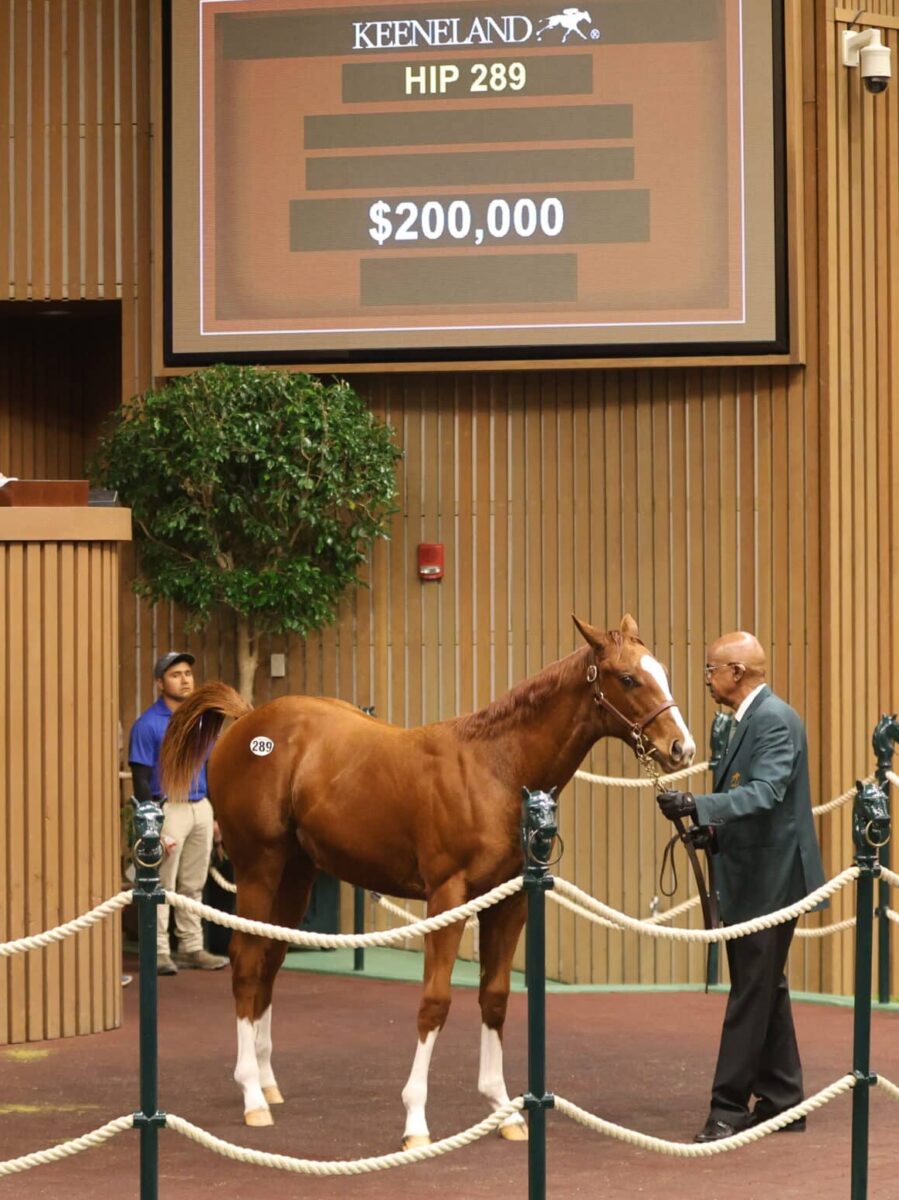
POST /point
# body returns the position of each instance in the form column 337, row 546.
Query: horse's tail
column 194, row 726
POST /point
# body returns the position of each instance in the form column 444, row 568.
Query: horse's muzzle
column 680, row 755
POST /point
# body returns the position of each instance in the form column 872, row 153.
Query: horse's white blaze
column 415, row 1093
column 491, row 1082
column 653, row 667
column 263, row 1034
column 246, row 1072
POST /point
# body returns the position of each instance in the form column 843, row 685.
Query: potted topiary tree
column 251, row 490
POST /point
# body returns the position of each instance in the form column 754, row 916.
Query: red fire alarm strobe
column 430, row 561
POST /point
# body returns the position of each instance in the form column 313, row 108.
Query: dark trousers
column 758, row 1053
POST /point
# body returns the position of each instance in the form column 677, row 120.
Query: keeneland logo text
column 508, row 30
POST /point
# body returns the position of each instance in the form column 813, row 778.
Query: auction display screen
column 449, row 179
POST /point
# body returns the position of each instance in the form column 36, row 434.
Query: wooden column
column 59, row 794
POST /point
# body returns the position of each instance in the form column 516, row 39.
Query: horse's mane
column 520, row 701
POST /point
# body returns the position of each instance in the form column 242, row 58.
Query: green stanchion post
column 712, row 971
column 870, row 831
column 886, row 734
column 539, row 831
column 148, row 854
column 358, row 927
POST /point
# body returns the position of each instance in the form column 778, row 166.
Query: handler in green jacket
column 767, row 858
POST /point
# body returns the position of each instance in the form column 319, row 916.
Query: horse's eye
column 628, row 681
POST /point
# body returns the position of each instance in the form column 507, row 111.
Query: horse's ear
column 629, row 626
column 593, row 637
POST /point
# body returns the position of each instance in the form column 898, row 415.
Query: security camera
column 866, row 48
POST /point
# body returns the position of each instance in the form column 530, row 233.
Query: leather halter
column 635, row 728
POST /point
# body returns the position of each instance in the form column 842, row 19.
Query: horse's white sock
column 263, row 1032
column 415, row 1093
column 246, row 1072
column 491, row 1082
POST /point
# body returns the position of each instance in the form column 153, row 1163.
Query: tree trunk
column 247, row 657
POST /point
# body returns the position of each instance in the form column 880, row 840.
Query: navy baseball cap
column 168, row 660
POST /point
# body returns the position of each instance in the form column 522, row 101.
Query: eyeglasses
column 711, row 668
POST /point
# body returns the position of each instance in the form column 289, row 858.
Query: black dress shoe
column 797, row 1126
column 714, row 1131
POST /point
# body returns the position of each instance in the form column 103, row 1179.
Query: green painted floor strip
column 404, row 966
column 407, row 966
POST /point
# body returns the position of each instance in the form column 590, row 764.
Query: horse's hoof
column 273, row 1094
column 414, row 1141
column 514, row 1133
column 258, row 1117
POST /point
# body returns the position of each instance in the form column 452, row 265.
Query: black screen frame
column 485, row 356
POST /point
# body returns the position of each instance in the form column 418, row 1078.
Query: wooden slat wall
column 59, row 704
column 59, row 376
column 859, row 195
column 700, row 499
column 75, row 115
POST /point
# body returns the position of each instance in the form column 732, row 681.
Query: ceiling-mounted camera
column 864, row 48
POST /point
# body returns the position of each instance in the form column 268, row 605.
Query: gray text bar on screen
column 509, row 279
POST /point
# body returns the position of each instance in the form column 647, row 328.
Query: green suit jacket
column 768, row 855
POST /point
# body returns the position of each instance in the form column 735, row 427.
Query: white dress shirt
column 742, row 710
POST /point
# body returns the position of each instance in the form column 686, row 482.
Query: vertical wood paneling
column 75, row 119
column 58, row 788
column 858, row 195
column 17, row 1028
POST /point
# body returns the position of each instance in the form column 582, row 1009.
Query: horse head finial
column 539, row 827
column 148, row 818
column 721, row 724
column 870, row 818
column 884, row 738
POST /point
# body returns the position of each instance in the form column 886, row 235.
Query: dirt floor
column 343, row 1049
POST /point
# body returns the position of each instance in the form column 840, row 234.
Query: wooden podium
column 59, row 791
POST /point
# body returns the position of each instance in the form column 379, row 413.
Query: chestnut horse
column 302, row 785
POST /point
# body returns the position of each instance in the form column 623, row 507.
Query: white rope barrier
column 357, row 1166
column 579, row 911
column 893, row 778
column 333, row 941
column 397, row 910
column 225, row 884
column 704, row 1149
column 407, row 915
column 87, row 1141
column 818, row 810
column 889, row 1087
column 595, row 908
column 889, row 876
column 892, row 915
column 670, row 913
column 663, row 780
column 820, row 931
column 60, row 932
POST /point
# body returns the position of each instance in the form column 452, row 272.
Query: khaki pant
column 184, row 871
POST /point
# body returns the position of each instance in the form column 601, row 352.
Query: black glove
column 676, row 804
column 702, row 837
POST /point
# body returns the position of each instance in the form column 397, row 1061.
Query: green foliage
column 260, row 491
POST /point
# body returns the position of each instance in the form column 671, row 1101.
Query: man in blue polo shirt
column 188, row 828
